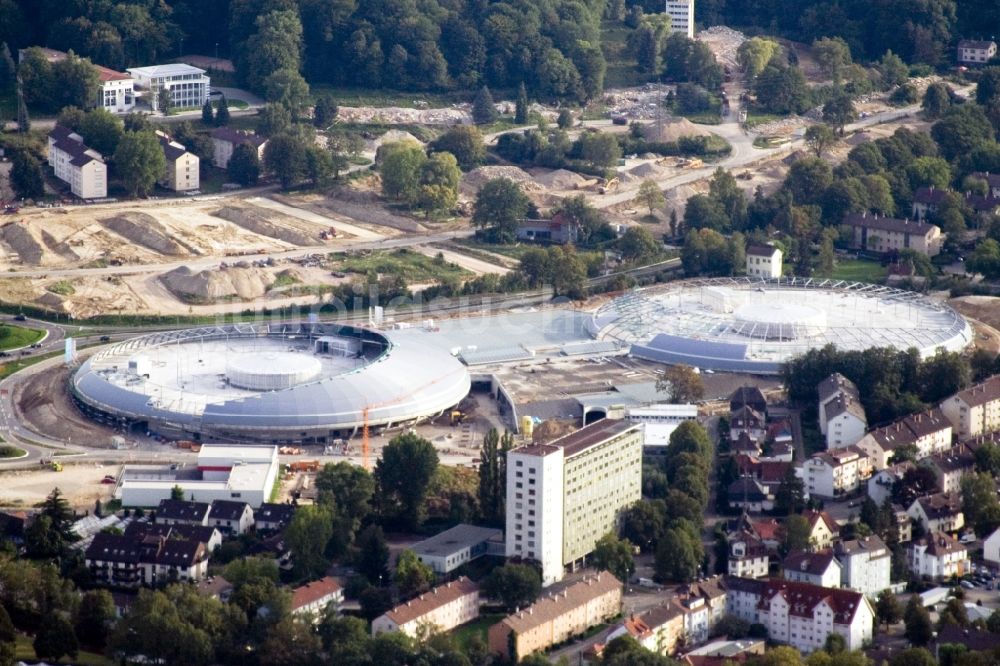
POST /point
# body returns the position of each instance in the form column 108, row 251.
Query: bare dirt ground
column 985, row 310
column 45, row 404
column 79, row 483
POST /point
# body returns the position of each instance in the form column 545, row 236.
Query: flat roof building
column 565, row 495
column 187, row 86
column 452, row 548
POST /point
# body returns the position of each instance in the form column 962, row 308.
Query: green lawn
column 8, row 451
column 621, row 70
column 384, row 97
column 232, row 103
column 13, row 337
column 479, row 628
column 754, row 119
column 26, row 652
column 859, row 270
column 412, row 266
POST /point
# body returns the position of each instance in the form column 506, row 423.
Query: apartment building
column 565, row 495
column 314, row 597
column 748, row 556
column 182, row 173
column 991, row 548
column 557, row 616
column 927, row 200
column 950, row 466
column 660, row 629
column 941, row 512
column 836, row 472
column 225, row 140
column 182, row 512
column 865, row 565
column 976, row 52
column 210, row 536
column 803, row 615
column 117, row 91
column 132, row 561
column 881, row 483
column 976, row 410
column 938, row 556
column 186, row 86
column 443, row 608
column 886, row 234
column 842, row 419
column 816, row 568
column 273, row 517
column 230, row 517
column 74, row 163
column 763, row 261
column 681, row 13
column 928, row 432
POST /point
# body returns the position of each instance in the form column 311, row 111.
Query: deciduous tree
column 403, row 474
column 614, row 555
column 139, row 162
column 500, row 205
column 651, row 195
column 515, row 585
column 681, row 384
column 26, row 177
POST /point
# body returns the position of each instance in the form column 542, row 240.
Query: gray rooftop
column 455, row 539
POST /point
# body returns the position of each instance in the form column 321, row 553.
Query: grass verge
column 859, row 270
column 8, row 451
column 25, row 652
column 14, row 337
column 464, row 635
column 9, row 368
column 413, row 266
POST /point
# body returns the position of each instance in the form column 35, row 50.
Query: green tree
column 681, row 384
column 919, row 629
column 722, row 188
column 156, row 628
column 244, row 165
column 782, row 89
column 287, row 87
column 439, row 178
column 929, row 172
column 484, row 110
column 888, row 610
column 500, row 205
column 413, row 577
column 644, row 522
column 94, row 618
column 285, row 159
column 306, row 536
column 790, row 496
column 894, row 71
column 222, row 112
column 401, row 164
column 403, row 475
column 614, row 555
column 101, row 130
column 274, row 119
column 276, row 44
column 638, row 244
column 521, row 106
column 819, row 138
column 917, row 656
column 465, row 142
column 565, row 119
column 755, row 53
column 177, row 494
column 567, row 272
column 139, row 162
column 980, row 505
column 493, row 475
column 207, row 113
column 937, row 100
column 601, row 150
column 348, row 487
column 839, row 111
column 26, row 177
column 514, row 585
column 325, row 111
column 679, row 554
column 705, row 212
column 373, row 555
column 55, row 639
column 988, row 86
column 962, row 129
column 807, row 179
column 833, row 55
column 651, row 195
column 319, row 165
column 795, row 534
column 23, row 119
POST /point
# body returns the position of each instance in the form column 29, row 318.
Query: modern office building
column 187, row 86
column 565, row 495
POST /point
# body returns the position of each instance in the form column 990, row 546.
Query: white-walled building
column 681, row 13
column 748, row 556
column 842, row 419
column 442, row 609
column 763, row 261
column 658, row 423
column 816, row 568
column 231, row 517
column 976, row 52
column 881, row 483
column 74, row 163
column 183, row 168
column 448, row 550
column 991, row 548
column 976, row 410
column 225, row 140
column 865, row 565
column 836, row 472
column 187, row 86
column 938, row 556
column 941, row 512
column 314, row 597
column 928, row 432
column 565, row 495
column 117, row 91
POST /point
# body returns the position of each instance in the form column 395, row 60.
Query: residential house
column 991, row 548
column 186, row 86
column 823, row 529
column 814, row 567
column 992, row 181
column 938, row 556
column 182, row 512
column 712, row 591
column 748, row 556
column 660, row 629
column 225, row 140
column 116, row 93
column 888, row 234
column 750, row 495
column 273, row 517
column 768, row 530
column 129, row 561
column 561, row 230
column 927, row 432
column 182, row 172
column 448, row 550
column 769, row 473
column 941, row 512
column 231, row 517
column 976, row 52
column 865, row 565
column 441, row 609
column 836, row 472
column 748, row 396
column 74, row 163
column 971, row 638
column 803, row 615
column 207, row 535
column 842, row 419
column 557, row 616
column 779, row 442
column 747, row 420
column 976, row 410
column 724, row 652
column 927, row 200
column 763, row 261
column 743, row 596
column 882, row 482
column 216, row 587
column 315, row 597
column 950, row 466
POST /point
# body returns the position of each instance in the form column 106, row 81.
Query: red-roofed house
column 803, row 615
column 824, row 528
column 313, row 598
column 443, row 608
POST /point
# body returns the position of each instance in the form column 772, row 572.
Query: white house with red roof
column 803, row 615
column 314, row 597
column 117, row 92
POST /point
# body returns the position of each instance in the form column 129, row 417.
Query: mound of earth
column 145, row 230
column 21, row 240
column 265, row 223
column 552, row 429
column 644, row 170
column 560, row 179
column 246, row 283
column 475, row 179
column 672, row 129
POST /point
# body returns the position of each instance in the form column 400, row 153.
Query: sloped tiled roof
column 415, row 609
column 814, row 564
column 558, row 603
column 803, row 598
column 314, row 591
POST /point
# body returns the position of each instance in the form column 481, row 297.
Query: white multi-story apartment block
column 865, row 565
column 842, row 419
column 836, row 472
column 225, row 140
column 187, row 86
column 938, row 556
column 681, row 13
column 182, row 172
column 974, row 52
column 313, row 598
column 888, row 234
column 816, row 568
column 763, row 261
column 74, row 163
column 565, row 495
column 442, row 609
column 882, row 482
column 976, row 410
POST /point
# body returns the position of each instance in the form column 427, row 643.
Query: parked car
column 19, row 317
column 105, row 338
column 968, row 585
